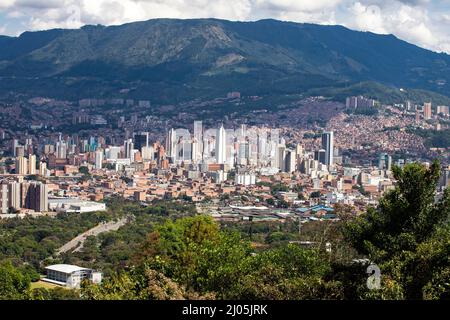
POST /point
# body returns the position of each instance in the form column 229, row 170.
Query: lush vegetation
column 169, row 252
column 434, row 138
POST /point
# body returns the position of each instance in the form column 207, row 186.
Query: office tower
column 14, row 145
column 42, row 198
column 171, row 144
column 328, row 146
column 4, row 199
column 148, row 153
column 21, row 165
column 98, row 159
column 184, row 150
column 128, row 148
column 141, row 140
column 427, row 111
column 43, row 169
column 290, row 161
column 15, row 200
column 221, row 146
column 113, row 153
column 32, row 164
column 61, row 150
column 320, row 156
column 281, row 157
column 198, row 138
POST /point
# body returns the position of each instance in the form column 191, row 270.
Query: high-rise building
column 61, row 150
column 221, row 145
column 129, row 149
column 20, row 151
column 42, row 197
column 290, row 161
column 43, row 169
column 444, row 110
column 320, row 155
column 15, row 199
column 328, row 146
column 198, row 138
column 417, row 116
column 281, row 158
column 98, row 159
column 359, row 102
column 171, row 144
column 427, row 113
column 148, row 153
column 4, row 199
column 21, row 165
column 32, row 164
column 14, row 145
column 141, row 140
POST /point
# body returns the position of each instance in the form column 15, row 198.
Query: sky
column 425, row 23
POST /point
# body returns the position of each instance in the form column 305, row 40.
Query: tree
column 13, row 284
column 407, row 235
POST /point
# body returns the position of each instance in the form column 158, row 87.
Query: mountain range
column 168, row 60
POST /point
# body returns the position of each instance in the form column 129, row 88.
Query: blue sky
column 422, row 22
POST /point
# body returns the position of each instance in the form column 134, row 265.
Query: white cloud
column 423, row 22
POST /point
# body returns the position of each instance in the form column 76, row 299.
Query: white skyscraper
column 129, row 149
column 171, row 144
column 221, row 146
column 61, row 150
column 32, row 164
column 198, row 140
column 328, row 146
column 98, row 159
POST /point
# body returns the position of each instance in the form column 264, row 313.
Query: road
column 76, row 244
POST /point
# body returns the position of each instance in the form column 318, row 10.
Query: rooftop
column 65, row 268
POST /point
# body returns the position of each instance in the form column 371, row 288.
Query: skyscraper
column 328, row 146
column 15, row 200
column 14, row 145
column 32, row 164
column 171, row 144
column 221, row 145
column 198, row 139
column 98, row 159
column 128, row 148
column 427, row 111
column 4, row 200
column 21, row 165
column 141, row 140
column 61, row 150
column 43, row 169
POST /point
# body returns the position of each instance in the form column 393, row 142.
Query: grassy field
column 42, row 284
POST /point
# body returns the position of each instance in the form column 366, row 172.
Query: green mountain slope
column 182, row 58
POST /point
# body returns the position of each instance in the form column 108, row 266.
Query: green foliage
column 13, row 284
column 407, row 236
column 435, row 139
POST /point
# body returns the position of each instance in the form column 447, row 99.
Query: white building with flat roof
column 70, row 276
column 74, row 205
